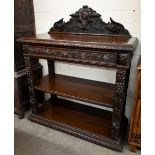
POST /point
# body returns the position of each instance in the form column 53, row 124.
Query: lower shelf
column 79, row 120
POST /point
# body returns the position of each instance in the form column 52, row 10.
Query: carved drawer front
column 70, row 55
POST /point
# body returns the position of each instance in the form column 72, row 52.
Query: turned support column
column 51, row 70
column 121, row 85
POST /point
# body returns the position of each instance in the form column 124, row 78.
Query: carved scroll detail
column 86, row 20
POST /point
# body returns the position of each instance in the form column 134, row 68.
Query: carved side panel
column 29, row 72
column 119, row 101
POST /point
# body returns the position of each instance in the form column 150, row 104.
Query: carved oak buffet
column 77, row 42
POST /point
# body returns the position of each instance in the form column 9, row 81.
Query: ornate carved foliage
column 124, row 58
column 90, row 57
column 119, row 102
column 86, row 20
column 30, row 81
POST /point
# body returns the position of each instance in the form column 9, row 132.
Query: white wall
column 126, row 12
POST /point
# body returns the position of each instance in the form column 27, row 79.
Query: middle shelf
column 99, row 93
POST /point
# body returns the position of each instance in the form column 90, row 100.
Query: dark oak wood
column 23, row 26
column 88, row 49
column 134, row 138
column 119, row 101
column 99, row 93
column 86, row 20
column 112, row 53
column 79, row 120
column 107, row 51
column 89, row 41
column 21, row 90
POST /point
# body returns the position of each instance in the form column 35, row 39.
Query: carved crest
column 86, row 20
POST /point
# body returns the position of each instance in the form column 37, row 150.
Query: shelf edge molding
column 94, row 92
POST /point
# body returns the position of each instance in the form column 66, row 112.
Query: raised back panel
column 87, row 20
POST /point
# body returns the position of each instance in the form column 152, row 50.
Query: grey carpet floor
column 34, row 139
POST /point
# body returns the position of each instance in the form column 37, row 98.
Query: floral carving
column 86, row 20
column 121, row 76
column 119, row 101
column 90, row 57
column 123, row 58
column 30, row 81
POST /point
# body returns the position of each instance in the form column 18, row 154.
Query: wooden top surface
column 83, row 40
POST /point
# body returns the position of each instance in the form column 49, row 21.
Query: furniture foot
column 21, row 116
column 132, row 148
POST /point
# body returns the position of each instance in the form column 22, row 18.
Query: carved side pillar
column 119, row 101
column 30, row 78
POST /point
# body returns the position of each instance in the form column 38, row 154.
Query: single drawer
column 71, row 55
